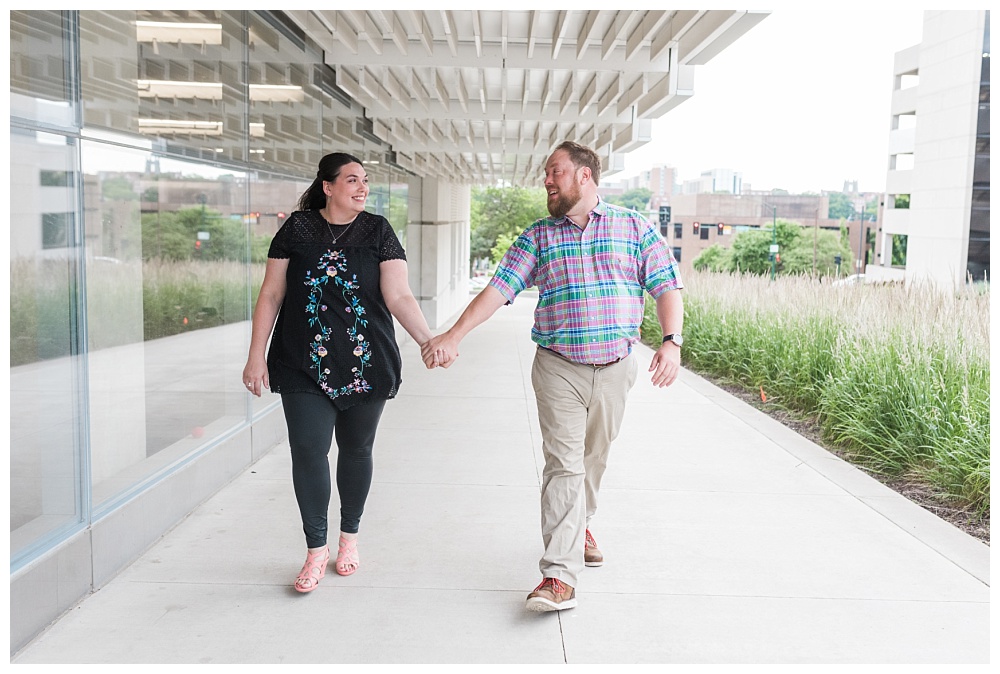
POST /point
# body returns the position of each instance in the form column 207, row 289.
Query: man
column 591, row 262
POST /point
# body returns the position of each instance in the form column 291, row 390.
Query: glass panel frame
column 48, row 379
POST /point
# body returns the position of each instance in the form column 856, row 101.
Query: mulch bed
column 919, row 492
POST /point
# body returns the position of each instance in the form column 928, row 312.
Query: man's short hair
column 581, row 155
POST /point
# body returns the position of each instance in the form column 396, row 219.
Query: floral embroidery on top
column 331, row 265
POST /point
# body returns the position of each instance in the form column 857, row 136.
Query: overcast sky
column 800, row 102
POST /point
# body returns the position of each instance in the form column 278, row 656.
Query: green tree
column 714, row 258
column 173, row 235
column 635, row 199
column 504, row 241
column 751, row 250
column 840, row 206
column 118, row 188
column 814, row 247
column 497, row 211
column 799, row 249
column 165, row 236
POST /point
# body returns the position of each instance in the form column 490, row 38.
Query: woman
column 335, row 277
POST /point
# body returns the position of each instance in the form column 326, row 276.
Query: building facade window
column 978, row 263
column 57, row 230
column 55, row 178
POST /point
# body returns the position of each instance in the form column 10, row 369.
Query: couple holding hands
column 336, row 276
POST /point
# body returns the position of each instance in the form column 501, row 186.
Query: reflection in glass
column 166, row 297
column 45, row 370
column 171, row 76
column 286, row 97
column 41, row 87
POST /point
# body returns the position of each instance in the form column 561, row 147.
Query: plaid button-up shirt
column 590, row 282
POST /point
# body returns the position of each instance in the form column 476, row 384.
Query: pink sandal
column 313, row 570
column 347, row 556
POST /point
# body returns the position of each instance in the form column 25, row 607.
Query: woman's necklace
column 336, row 237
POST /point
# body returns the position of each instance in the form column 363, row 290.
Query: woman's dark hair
column 314, row 198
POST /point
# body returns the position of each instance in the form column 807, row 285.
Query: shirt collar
column 597, row 211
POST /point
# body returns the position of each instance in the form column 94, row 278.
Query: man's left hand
column 666, row 364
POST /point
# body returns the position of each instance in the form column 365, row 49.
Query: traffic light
column 721, row 228
column 197, row 245
column 696, row 227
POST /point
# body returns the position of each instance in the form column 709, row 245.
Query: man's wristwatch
column 675, row 338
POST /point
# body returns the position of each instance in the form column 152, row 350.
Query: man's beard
column 564, row 203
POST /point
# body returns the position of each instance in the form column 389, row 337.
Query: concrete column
column 438, row 250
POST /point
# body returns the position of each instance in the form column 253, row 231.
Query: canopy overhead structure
column 483, row 96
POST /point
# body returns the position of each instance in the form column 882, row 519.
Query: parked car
column 853, row 279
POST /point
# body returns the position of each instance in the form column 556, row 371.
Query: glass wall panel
column 46, row 376
column 340, row 123
column 286, row 98
column 171, row 76
column 378, row 190
column 41, row 81
column 137, row 253
column 167, row 304
column 399, row 205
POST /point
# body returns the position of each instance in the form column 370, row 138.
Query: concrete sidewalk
column 727, row 537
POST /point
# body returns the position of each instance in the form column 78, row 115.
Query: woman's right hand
column 255, row 378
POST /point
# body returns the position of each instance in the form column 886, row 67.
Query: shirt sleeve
column 279, row 248
column 391, row 248
column 659, row 271
column 516, row 270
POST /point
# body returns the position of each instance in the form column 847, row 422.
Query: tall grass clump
column 896, row 377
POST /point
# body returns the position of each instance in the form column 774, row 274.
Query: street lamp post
column 861, row 240
column 815, row 242
column 774, row 237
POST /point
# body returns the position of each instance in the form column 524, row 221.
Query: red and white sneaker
column 551, row 595
column 591, row 555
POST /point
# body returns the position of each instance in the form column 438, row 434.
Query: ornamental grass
column 896, row 377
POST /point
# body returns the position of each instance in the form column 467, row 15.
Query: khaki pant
column 580, row 410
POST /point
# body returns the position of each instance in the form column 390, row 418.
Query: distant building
column 715, row 181
column 936, row 222
column 698, row 221
column 661, row 181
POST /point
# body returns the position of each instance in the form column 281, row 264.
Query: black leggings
column 312, row 420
